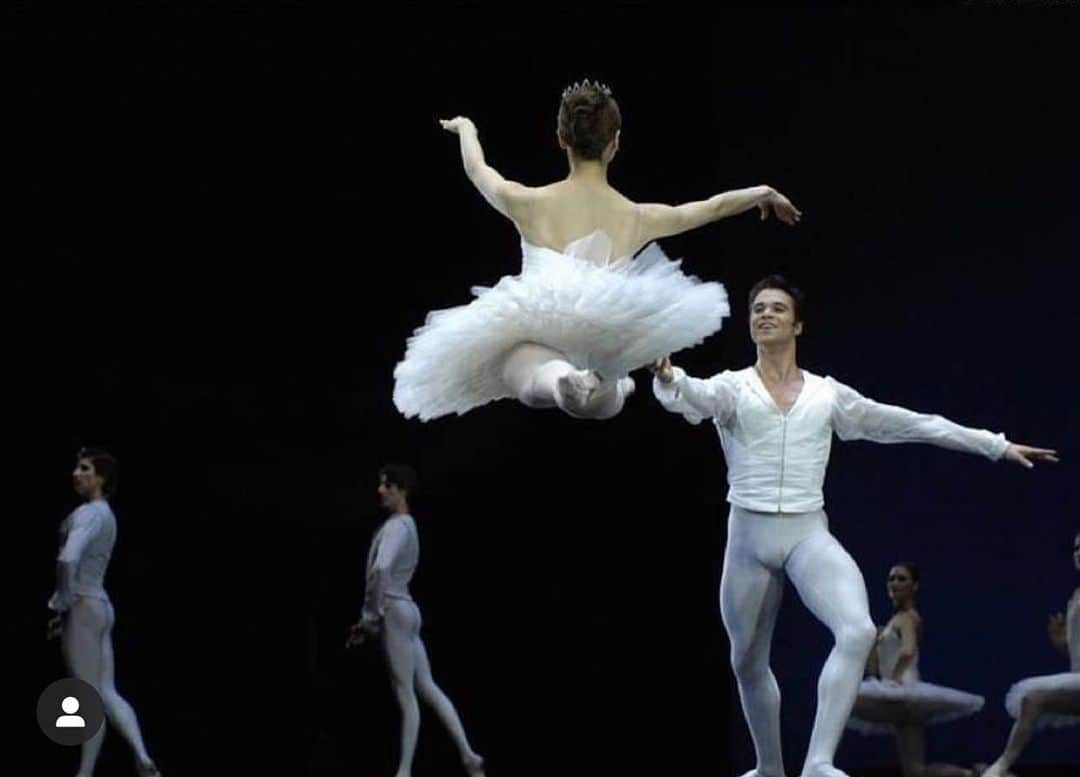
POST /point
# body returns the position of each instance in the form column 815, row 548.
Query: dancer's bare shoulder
column 565, row 211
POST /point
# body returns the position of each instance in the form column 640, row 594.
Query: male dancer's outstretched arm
column 855, row 417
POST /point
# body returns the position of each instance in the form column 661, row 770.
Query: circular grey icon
column 70, row 711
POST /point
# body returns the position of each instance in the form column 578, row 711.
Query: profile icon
column 70, row 705
column 70, row 712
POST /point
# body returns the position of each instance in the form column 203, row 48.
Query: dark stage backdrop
column 230, row 218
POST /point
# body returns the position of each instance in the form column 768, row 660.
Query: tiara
column 603, row 89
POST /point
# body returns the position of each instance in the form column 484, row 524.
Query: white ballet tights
column 761, row 549
column 410, row 673
column 541, row 377
column 88, row 651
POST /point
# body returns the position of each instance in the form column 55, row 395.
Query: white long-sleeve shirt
column 392, row 560
column 776, row 462
column 88, row 536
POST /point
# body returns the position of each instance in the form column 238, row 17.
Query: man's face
column 85, row 478
column 772, row 317
column 390, row 496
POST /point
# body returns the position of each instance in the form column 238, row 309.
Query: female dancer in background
column 85, row 616
column 894, row 699
column 1050, row 700
column 583, row 313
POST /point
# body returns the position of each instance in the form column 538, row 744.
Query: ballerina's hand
column 781, row 206
column 456, row 124
column 1025, row 455
column 1056, row 629
column 661, row 368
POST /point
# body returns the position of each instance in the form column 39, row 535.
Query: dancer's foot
column 996, row 769
column 823, row 770
column 627, row 386
column 574, row 390
column 474, row 765
column 757, row 773
column 146, row 769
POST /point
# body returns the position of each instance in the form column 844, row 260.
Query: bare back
column 554, row 216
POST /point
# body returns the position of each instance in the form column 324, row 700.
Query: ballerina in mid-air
column 587, row 307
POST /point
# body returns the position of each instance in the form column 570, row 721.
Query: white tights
column 761, row 549
column 88, row 651
column 410, row 673
column 542, row 377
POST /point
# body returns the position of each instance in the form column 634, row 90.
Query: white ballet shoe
column 474, row 765
column 823, row 770
column 574, row 389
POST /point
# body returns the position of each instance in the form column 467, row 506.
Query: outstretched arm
column 855, row 417
column 694, row 398
column 658, row 221
column 507, row 197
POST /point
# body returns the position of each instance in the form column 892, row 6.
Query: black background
column 228, row 218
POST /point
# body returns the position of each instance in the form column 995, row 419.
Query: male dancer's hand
column 55, row 627
column 1025, row 455
column 781, row 206
column 357, row 635
column 457, row 124
column 661, row 368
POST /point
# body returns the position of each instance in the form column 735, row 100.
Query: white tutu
column 881, row 706
column 1065, row 687
column 611, row 318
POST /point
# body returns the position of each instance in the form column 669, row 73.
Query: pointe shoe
column 474, row 765
column 147, row 769
column 574, row 389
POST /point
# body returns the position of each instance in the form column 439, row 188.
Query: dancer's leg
column 750, row 596
column 1030, row 708
column 85, row 627
column 444, row 708
column 400, row 628
column 832, row 587
column 119, row 712
column 542, row 377
column 911, row 747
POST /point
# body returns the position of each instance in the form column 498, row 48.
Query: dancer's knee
column 1032, row 705
column 857, row 638
column 751, row 667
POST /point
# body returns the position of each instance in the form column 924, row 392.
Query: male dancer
column 775, row 423
column 389, row 609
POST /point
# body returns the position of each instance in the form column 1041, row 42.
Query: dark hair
column 401, row 475
column 589, row 117
column 911, row 567
column 104, row 465
column 782, row 283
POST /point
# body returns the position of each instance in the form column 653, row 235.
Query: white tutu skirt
column 881, row 706
column 1063, row 691
column 609, row 318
